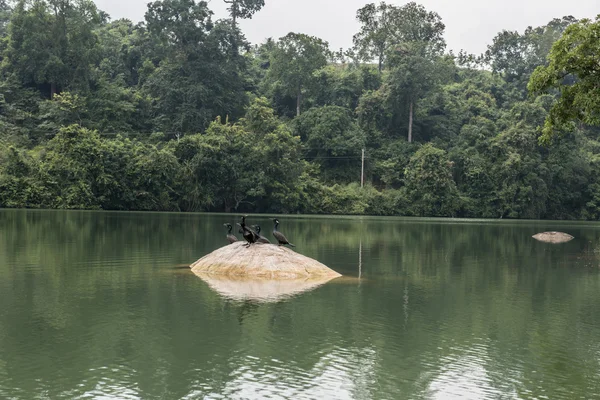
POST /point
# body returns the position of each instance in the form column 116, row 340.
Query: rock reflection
column 260, row 290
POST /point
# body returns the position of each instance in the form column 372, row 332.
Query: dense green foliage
column 180, row 112
column 575, row 69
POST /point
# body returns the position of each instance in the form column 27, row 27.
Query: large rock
column 262, row 261
column 553, row 237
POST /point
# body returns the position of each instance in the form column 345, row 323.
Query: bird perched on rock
column 261, row 238
column 231, row 237
column 249, row 234
column 281, row 239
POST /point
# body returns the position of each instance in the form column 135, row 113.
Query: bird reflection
column 247, row 308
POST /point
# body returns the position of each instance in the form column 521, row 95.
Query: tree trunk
column 52, row 90
column 234, row 13
column 234, row 25
column 298, row 100
column 380, row 63
column 410, row 122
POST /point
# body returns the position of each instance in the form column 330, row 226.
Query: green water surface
column 100, row 305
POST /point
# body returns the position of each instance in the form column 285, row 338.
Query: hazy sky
column 470, row 24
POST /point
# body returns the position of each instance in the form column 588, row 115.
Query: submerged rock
column 263, row 261
column 553, row 237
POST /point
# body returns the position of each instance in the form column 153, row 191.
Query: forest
column 181, row 113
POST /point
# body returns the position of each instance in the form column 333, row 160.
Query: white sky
column 470, row 24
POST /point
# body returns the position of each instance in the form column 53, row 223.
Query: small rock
column 553, row 237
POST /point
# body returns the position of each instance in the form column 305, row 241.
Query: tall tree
column 52, row 43
column 5, row 12
column 243, row 8
column 123, row 49
column 574, row 70
column 414, row 56
column 202, row 75
column 294, row 60
column 515, row 56
column 412, row 78
column 373, row 39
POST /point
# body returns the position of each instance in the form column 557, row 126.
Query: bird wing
column 263, row 239
column 280, row 237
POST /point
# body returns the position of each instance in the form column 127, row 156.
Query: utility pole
column 362, row 170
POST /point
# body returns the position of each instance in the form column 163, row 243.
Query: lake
column 101, row 305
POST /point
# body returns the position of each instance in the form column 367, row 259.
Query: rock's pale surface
column 261, row 261
column 553, row 237
column 259, row 289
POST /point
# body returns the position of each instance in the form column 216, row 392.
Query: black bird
column 280, row 236
column 230, row 236
column 261, row 238
column 249, row 234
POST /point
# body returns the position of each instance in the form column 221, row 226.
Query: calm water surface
column 100, row 305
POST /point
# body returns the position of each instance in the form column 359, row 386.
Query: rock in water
column 263, row 261
column 553, row 237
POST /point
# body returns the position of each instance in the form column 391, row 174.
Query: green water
column 98, row 305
